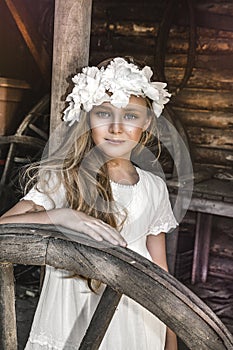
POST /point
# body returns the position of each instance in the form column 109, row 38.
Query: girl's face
column 116, row 131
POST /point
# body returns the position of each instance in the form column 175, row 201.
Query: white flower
column 114, row 84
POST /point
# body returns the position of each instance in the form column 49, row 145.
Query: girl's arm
column 156, row 246
column 27, row 211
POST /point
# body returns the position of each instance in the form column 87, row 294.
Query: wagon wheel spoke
column 101, row 317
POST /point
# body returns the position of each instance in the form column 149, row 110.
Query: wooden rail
column 124, row 271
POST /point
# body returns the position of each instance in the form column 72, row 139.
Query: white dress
column 66, row 305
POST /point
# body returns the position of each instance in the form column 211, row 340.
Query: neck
column 122, row 171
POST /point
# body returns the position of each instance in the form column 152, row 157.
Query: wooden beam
column 8, row 334
column 23, row 20
column 101, row 319
column 70, row 49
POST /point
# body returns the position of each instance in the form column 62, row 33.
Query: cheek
column 98, row 133
column 134, row 132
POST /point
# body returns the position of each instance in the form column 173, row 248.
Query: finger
column 100, row 232
column 111, row 231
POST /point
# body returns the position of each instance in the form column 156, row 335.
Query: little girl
column 93, row 187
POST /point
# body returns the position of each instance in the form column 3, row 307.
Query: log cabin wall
column 204, row 105
column 131, row 27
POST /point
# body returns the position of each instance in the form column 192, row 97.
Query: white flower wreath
column 114, row 84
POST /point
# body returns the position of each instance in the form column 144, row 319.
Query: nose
column 115, row 127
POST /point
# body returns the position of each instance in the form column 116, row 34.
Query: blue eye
column 130, row 116
column 103, row 114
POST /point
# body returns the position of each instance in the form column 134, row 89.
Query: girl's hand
column 81, row 222
column 26, row 211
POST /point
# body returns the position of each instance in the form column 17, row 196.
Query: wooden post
column 70, row 49
column 8, row 333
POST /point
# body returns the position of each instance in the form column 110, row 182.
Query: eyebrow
column 102, row 107
column 126, row 109
column 135, row 109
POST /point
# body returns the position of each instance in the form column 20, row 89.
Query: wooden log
column 204, row 118
column 8, row 333
column 212, row 156
column 210, row 63
column 214, row 61
column 152, row 11
column 204, row 99
column 126, row 272
column 123, row 45
column 207, row 137
column 216, row 7
column 220, row 80
column 207, row 46
column 130, row 10
column 124, row 27
column 70, row 49
column 121, row 25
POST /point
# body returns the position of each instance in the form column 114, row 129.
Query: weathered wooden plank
column 131, row 274
column 8, row 334
column 70, row 49
column 222, row 267
column 208, row 206
column 216, row 187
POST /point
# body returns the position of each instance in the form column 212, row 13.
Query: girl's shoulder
column 151, row 179
column 48, row 192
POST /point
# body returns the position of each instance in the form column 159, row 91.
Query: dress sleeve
column 51, row 199
column 163, row 219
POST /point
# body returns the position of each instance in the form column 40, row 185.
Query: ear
column 147, row 123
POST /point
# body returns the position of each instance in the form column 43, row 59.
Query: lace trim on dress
column 163, row 226
column 43, row 343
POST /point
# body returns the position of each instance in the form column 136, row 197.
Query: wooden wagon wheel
column 123, row 271
column 30, row 138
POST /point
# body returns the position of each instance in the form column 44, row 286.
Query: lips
column 115, row 141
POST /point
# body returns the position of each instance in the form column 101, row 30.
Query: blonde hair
column 81, row 168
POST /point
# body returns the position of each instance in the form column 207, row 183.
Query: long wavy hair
column 82, row 170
